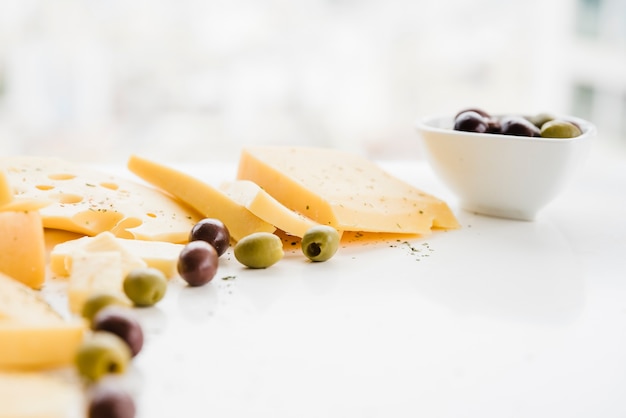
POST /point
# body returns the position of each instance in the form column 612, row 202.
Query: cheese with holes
column 343, row 190
column 88, row 202
column 157, row 254
column 32, row 334
column 259, row 202
column 22, row 247
column 204, row 198
column 9, row 203
column 99, row 266
column 39, row 395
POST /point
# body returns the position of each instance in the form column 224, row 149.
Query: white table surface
column 497, row 319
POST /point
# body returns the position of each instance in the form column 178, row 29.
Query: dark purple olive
column 121, row 322
column 493, row 126
column 212, row 231
column 109, row 401
column 518, row 126
column 197, row 263
column 471, row 121
column 474, row 109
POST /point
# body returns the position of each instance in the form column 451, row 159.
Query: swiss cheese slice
column 343, row 190
column 157, row 254
column 204, row 198
column 88, row 202
column 259, row 202
column 32, row 334
column 22, row 247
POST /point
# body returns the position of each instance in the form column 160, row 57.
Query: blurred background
column 191, row 80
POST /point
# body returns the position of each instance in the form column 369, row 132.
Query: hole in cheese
column 94, row 222
column 67, row 198
column 151, row 215
column 61, row 176
column 111, row 186
column 44, row 187
column 121, row 229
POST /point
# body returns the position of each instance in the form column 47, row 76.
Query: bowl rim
column 426, row 124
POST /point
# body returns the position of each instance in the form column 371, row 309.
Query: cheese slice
column 32, row 334
column 9, row 203
column 35, row 346
column 157, row 254
column 107, row 242
column 88, row 202
column 204, row 198
column 99, row 266
column 39, row 395
column 260, row 203
column 22, row 247
column 343, row 190
column 20, row 303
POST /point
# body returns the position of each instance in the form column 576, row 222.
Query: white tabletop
column 497, row 319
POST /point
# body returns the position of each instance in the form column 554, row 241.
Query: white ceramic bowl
column 502, row 175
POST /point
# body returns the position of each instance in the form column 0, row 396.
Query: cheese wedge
column 259, row 202
column 32, row 334
column 204, row 198
column 39, row 395
column 22, row 247
column 157, row 254
column 343, row 190
column 88, row 202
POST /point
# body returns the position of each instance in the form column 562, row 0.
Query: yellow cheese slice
column 157, row 254
column 260, row 203
column 32, row 346
column 39, row 395
column 343, row 190
column 22, row 247
column 204, row 198
column 88, row 202
column 18, row 302
column 32, row 334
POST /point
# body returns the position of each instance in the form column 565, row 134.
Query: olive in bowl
column 503, row 175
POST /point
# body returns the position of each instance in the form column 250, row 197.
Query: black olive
column 212, row 231
column 197, row 263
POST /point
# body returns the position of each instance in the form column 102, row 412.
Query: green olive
column 559, row 128
column 320, row 242
column 100, row 354
column 259, row 250
column 145, row 286
column 97, row 301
